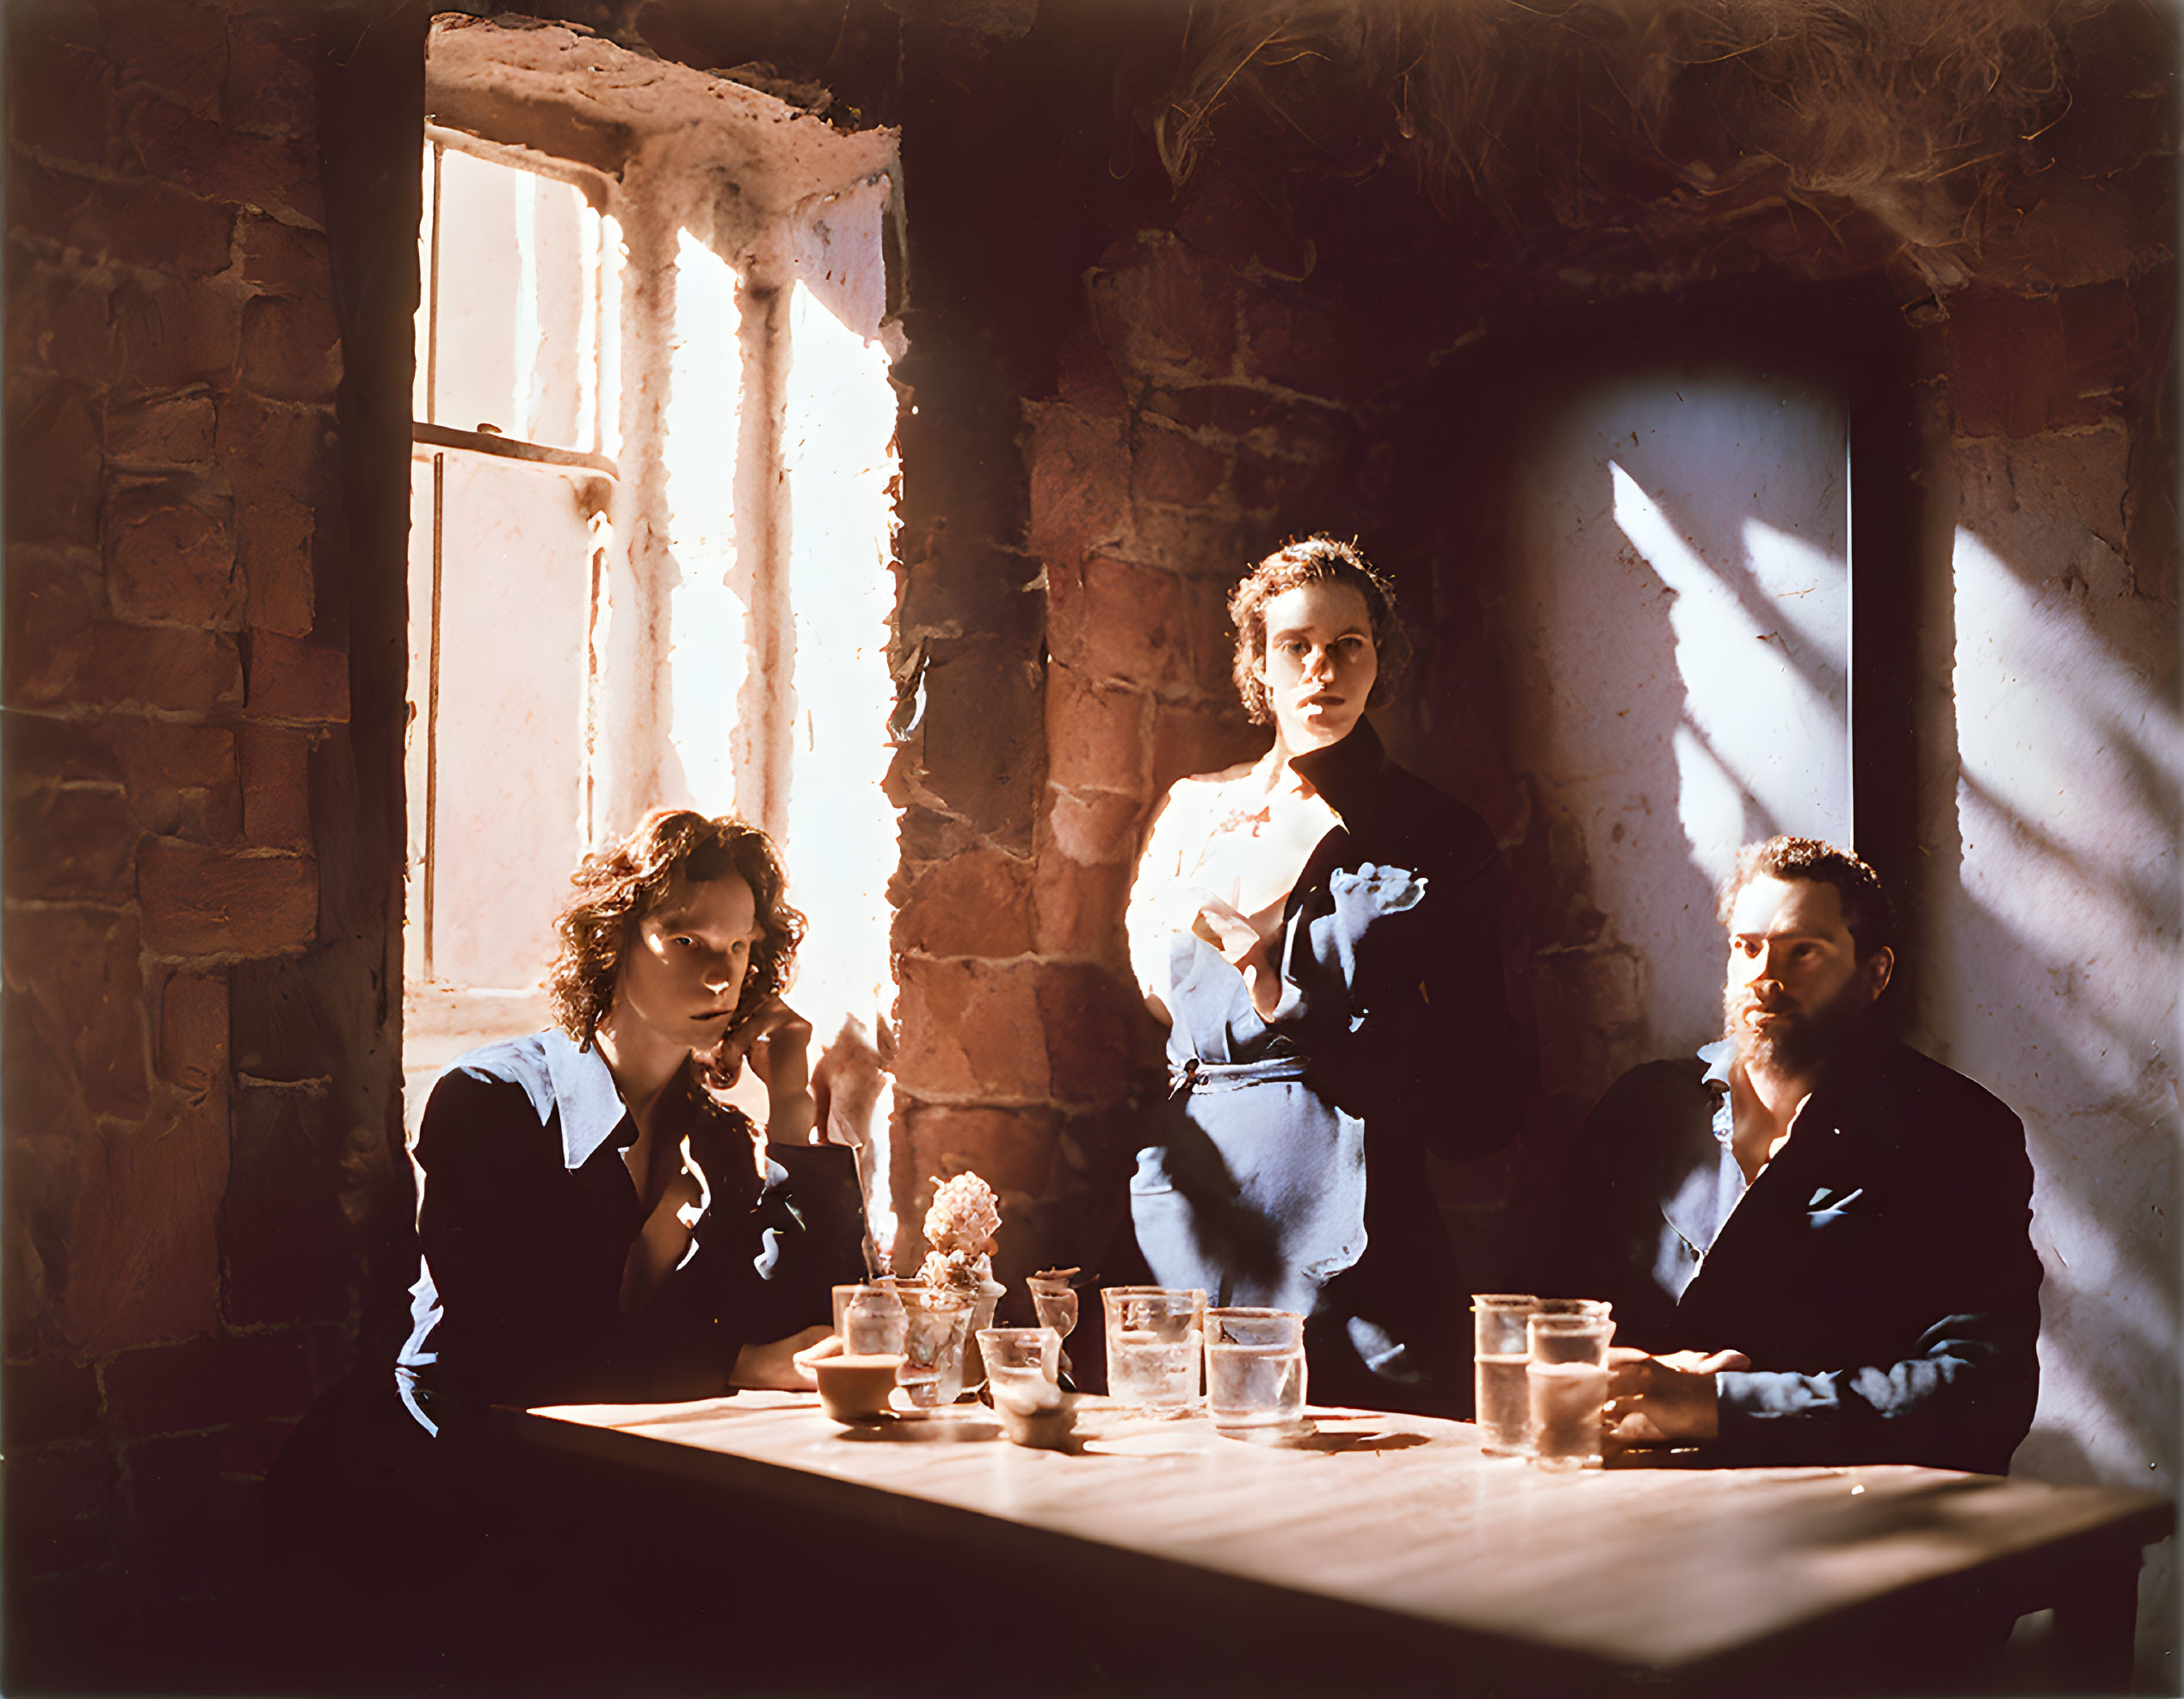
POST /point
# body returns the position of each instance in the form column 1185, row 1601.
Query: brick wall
column 194, row 1129
column 1188, row 378
column 1114, row 398
column 1202, row 405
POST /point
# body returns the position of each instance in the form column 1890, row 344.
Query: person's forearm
column 791, row 1116
column 1943, row 1410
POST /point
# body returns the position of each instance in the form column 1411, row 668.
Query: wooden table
column 1398, row 1532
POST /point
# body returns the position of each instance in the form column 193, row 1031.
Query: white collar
column 591, row 1103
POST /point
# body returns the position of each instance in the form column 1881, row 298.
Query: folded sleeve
column 1395, row 988
column 1963, row 1403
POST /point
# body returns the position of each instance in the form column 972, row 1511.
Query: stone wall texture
column 1120, row 386
column 1196, row 417
column 188, row 1134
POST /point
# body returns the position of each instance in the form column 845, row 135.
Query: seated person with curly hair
column 595, row 1224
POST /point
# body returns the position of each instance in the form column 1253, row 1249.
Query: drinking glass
column 1024, row 1366
column 1055, row 1300
column 869, row 1320
column 936, row 1323
column 1567, row 1378
column 1500, row 1353
column 1255, row 1368
column 982, row 1300
column 1155, row 1347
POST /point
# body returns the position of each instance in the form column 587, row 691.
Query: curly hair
column 616, row 887
column 1316, row 560
column 1867, row 911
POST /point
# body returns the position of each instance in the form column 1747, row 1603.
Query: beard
column 1807, row 1040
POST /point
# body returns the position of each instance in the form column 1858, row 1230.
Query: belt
column 1193, row 1075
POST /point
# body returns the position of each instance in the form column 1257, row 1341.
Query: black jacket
column 526, row 1219
column 1878, row 1272
column 1290, row 1168
column 1408, row 1021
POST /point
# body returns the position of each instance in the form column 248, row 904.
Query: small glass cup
column 982, row 1300
column 1055, row 1300
column 1155, row 1347
column 1567, row 1379
column 1500, row 1354
column 1255, row 1368
column 869, row 1320
column 935, row 1324
column 1024, row 1366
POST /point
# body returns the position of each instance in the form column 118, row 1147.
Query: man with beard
column 1822, row 1232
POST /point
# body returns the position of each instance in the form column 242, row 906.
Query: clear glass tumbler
column 870, row 1319
column 1596, row 1306
column 1255, row 1368
column 1056, row 1302
column 1567, row 1378
column 936, row 1323
column 1500, row 1353
column 1155, row 1347
column 1024, row 1367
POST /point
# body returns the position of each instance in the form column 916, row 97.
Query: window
column 652, row 508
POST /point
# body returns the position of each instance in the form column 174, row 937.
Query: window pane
column 517, row 328
column 709, row 623
column 516, row 586
column 842, row 829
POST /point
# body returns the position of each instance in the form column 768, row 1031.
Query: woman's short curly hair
column 1315, row 560
column 617, row 887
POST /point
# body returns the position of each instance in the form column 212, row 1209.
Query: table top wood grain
column 1654, row 1567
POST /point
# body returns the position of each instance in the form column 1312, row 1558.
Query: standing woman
column 1321, row 932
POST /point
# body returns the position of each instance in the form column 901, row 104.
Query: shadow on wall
column 1678, row 620
column 2054, row 938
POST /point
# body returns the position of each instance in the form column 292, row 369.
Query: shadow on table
column 1325, row 1440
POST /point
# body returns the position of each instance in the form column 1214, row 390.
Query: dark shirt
column 1290, row 1168
column 1407, row 1020
column 1877, row 1272
column 525, row 1221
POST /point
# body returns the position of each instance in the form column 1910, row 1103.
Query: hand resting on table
column 1653, row 1400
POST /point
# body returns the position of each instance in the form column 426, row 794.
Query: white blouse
column 1224, row 833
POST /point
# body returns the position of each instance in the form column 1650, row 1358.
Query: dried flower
column 965, row 1215
column 961, row 1227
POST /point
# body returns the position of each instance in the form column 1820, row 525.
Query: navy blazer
column 1878, row 1272
column 525, row 1221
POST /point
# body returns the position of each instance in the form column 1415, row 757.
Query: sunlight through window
column 708, row 658
column 1679, row 619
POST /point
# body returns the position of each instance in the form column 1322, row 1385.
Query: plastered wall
column 2052, row 960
